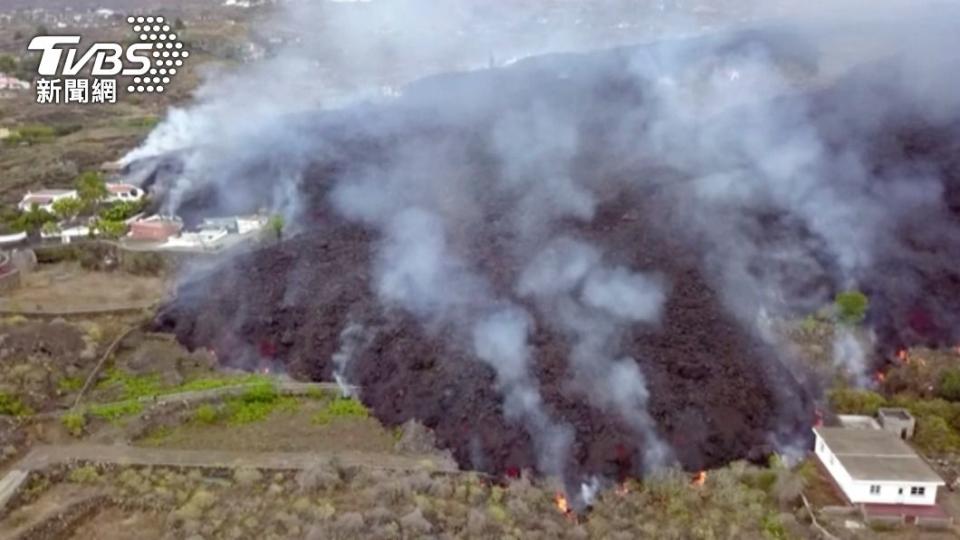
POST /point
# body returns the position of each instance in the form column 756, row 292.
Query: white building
column 9, row 83
column 875, row 466
column 123, row 193
column 45, row 198
column 236, row 224
column 67, row 234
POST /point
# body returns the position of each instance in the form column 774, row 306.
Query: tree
column 50, row 227
column 949, row 387
column 68, row 208
column 276, row 225
column 8, row 64
column 32, row 220
column 91, row 187
column 110, row 229
column 852, row 306
column 122, row 210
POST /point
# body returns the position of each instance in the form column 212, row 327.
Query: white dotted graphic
column 167, row 52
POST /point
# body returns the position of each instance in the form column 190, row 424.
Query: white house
column 117, row 192
column 875, row 466
column 10, row 83
column 45, row 198
column 236, row 224
column 67, row 234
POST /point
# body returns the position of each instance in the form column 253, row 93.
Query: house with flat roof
column 875, row 466
column 45, row 198
column 155, row 228
column 119, row 192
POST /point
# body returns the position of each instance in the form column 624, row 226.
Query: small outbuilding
column 897, row 421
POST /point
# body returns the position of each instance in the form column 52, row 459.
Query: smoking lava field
column 572, row 264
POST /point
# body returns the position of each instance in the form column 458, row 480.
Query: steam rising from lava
column 712, row 134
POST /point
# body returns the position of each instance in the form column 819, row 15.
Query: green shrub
column 276, row 224
column 934, row 436
column 56, row 254
column 13, row 406
column 70, row 384
column 316, row 393
column 772, row 528
column 112, row 412
column 132, row 386
column 258, row 402
column 850, row 401
column 260, row 393
column 205, row 414
column 143, row 263
column 156, row 436
column 949, row 387
column 341, row 408
column 852, row 306
column 928, row 407
column 75, row 422
column 87, row 474
column 32, row 134
column 122, row 210
column 148, row 122
column 110, row 229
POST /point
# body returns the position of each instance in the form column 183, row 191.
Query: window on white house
column 917, row 490
column 900, row 491
column 874, row 489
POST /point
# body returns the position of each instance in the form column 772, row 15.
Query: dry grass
column 67, row 286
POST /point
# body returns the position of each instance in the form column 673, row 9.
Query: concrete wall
column 891, row 493
column 859, row 491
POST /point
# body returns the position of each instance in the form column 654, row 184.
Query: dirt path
column 45, row 455
column 9, row 485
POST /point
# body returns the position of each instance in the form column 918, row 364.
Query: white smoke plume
column 594, row 304
column 850, row 355
column 352, row 339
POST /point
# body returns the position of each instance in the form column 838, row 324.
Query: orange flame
column 880, row 376
column 700, row 478
column 623, row 489
column 902, row 356
column 562, row 503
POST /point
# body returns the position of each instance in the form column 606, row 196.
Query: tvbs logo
column 151, row 63
column 107, row 57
